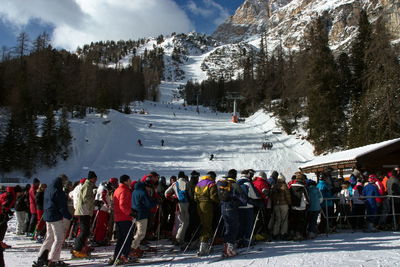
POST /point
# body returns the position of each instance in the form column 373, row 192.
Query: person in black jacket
column 21, row 211
column 57, row 217
column 300, row 200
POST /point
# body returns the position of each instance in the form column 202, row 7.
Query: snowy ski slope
column 109, row 145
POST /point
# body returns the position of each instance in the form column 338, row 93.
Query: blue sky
column 75, row 22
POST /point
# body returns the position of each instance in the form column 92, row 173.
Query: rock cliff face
column 289, row 20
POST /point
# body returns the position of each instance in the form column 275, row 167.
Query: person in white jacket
column 180, row 190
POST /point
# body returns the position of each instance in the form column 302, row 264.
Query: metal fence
column 325, row 213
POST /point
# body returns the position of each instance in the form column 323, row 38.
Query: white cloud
column 210, row 9
column 195, row 9
column 78, row 22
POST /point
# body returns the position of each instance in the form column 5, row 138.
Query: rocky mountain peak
column 288, row 21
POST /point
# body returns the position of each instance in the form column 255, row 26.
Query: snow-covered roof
column 347, row 156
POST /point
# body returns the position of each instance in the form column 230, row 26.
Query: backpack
column 224, row 191
column 182, row 194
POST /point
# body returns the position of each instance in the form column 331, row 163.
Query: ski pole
column 252, row 232
column 123, row 244
column 215, row 234
column 73, row 224
column 191, row 239
column 158, row 226
column 94, row 221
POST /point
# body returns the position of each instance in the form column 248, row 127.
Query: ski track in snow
column 343, row 249
column 111, row 150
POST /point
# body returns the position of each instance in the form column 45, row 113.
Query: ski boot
column 229, row 250
column 42, row 260
column 203, row 251
column 122, row 260
column 57, row 264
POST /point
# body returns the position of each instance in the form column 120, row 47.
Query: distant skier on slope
column 162, row 142
column 211, row 157
column 139, row 142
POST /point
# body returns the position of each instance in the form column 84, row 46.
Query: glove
column 134, row 213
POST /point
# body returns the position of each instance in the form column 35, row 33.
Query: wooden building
column 375, row 157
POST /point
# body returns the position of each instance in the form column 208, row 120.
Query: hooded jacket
column 122, row 203
column 299, row 196
column 141, row 202
column 7, row 199
column 206, row 190
column 85, row 201
column 280, row 194
column 248, row 188
column 370, row 190
column 32, row 198
column 262, row 188
column 55, row 202
column 172, row 189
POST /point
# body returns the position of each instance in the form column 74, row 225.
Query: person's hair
column 124, row 178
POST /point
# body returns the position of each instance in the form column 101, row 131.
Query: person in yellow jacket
column 205, row 194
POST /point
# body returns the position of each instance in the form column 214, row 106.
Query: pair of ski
column 239, row 253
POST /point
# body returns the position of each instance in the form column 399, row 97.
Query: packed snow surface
column 343, row 249
column 108, row 145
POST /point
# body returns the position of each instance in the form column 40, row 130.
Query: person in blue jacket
column 141, row 204
column 314, row 208
column 327, row 205
column 371, row 190
column 57, row 218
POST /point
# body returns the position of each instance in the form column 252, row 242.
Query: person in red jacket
column 7, row 200
column 262, row 187
column 123, row 219
column 32, row 206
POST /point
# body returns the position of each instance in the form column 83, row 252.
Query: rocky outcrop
column 288, row 21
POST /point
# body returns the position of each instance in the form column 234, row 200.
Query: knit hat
column 36, row 181
column 232, row 173
column 245, row 173
column 274, row 175
column 181, row 174
column 155, row 174
column 91, row 175
column 195, row 173
column 356, row 173
column 281, row 177
column 372, row 178
column 113, row 181
column 212, row 174
column 124, row 178
column 353, row 179
column 261, row 174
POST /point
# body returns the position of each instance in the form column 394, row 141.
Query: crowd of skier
column 194, row 212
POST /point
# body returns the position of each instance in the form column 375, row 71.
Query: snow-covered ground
column 109, row 145
column 343, row 249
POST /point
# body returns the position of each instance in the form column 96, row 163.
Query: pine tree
column 346, row 85
column 49, row 139
column 325, row 115
column 30, row 155
column 381, row 80
column 358, row 49
column 11, row 146
column 64, row 136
